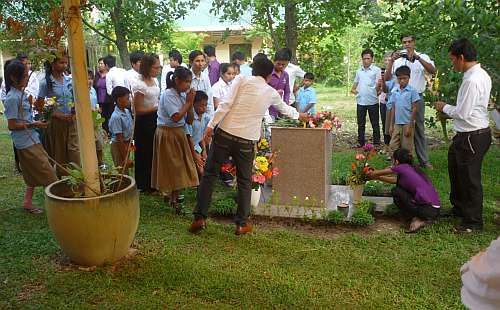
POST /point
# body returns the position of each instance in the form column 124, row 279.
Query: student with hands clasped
column 414, row 193
column 173, row 166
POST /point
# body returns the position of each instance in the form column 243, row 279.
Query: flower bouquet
column 326, row 120
column 359, row 171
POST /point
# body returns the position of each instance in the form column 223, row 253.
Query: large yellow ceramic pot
column 97, row 230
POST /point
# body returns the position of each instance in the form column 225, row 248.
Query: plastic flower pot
column 255, row 197
column 357, row 192
column 96, row 230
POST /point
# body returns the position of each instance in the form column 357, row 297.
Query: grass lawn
column 273, row 268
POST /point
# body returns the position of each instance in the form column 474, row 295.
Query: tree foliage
column 436, row 24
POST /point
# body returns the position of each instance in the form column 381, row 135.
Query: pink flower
column 359, row 156
column 367, row 147
column 311, row 124
column 276, row 171
column 258, row 178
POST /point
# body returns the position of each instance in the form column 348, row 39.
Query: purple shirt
column 101, row 89
column 213, row 71
column 419, row 186
column 282, row 85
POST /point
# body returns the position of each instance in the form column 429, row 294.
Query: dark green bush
column 391, row 210
column 224, row 206
column 335, row 217
column 362, row 218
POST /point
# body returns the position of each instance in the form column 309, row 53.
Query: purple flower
column 368, row 147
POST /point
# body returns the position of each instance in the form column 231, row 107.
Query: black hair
column 237, row 56
column 119, row 91
column 48, row 70
column 309, row 76
column 367, row 51
column 176, row 55
column 262, row 67
column 14, row 73
column 180, row 73
column 135, row 57
column 404, row 156
column 259, row 56
column 282, row 54
column 200, row 95
column 224, row 67
column 209, row 50
column 288, row 52
column 194, row 54
column 21, row 56
column 407, row 36
column 463, row 47
column 235, row 66
column 98, row 60
column 147, row 61
column 110, row 61
column 90, row 73
column 403, row 70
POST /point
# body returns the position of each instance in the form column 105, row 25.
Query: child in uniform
column 33, row 159
column 196, row 129
column 221, row 88
column 306, row 97
column 120, row 126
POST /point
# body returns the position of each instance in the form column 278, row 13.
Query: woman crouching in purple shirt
column 414, row 193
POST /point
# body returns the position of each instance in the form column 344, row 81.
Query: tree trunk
column 274, row 38
column 121, row 40
column 291, row 28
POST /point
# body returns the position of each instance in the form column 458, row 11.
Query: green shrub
column 224, row 206
column 335, row 217
column 362, row 218
column 376, row 188
column 391, row 210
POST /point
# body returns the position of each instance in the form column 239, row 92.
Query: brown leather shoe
column 197, row 226
column 242, row 230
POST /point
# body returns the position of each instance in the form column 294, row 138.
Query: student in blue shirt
column 62, row 135
column 306, row 97
column 120, row 127
column 173, row 167
column 33, row 159
column 196, row 129
column 403, row 111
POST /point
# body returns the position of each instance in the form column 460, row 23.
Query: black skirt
column 144, row 134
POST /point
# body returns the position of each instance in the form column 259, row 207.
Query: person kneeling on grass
column 414, row 193
column 33, row 159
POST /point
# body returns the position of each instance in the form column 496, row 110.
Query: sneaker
column 466, row 229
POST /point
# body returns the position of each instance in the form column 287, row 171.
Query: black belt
column 475, row 132
column 231, row 137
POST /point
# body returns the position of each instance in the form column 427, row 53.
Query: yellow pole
column 84, row 120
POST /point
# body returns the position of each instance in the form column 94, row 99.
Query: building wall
column 4, row 56
column 222, row 48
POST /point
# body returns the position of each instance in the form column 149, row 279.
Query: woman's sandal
column 33, row 210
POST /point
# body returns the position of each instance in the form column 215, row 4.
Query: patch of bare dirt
column 29, row 290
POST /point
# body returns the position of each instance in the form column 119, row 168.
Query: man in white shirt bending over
column 418, row 63
column 115, row 76
column 133, row 73
column 473, row 138
column 238, row 120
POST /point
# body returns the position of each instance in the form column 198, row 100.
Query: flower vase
column 255, row 197
column 357, row 192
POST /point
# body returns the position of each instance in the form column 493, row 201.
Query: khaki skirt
column 35, row 165
column 173, row 165
column 62, row 142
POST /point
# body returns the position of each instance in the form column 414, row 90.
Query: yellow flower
column 263, row 144
column 51, row 101
column 261, row 163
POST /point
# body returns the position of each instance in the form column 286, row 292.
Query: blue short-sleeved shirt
column 402, row 100
column 245, row 70
column 22, row 114
column 366, row 78
column 306, row 96
column 120, row 122
column 93, row 98
column 171, row 102
column 62, row 91
column 390, row 86
column 197, row 129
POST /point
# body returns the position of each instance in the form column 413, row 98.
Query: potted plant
column 93, row 215
column 359, row 170
column 263, row 169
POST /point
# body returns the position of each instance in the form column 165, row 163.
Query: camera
column 404, row 54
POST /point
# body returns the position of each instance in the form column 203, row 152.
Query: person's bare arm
column 354, row 89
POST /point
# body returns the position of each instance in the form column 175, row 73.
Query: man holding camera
column 419, row 64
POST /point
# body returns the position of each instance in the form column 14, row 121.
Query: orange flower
column 268, row 174
column 353, row 166
column 366, row 169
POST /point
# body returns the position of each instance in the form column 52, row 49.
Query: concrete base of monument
column 340, row 196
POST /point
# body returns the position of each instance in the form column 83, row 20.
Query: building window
column 245, row 48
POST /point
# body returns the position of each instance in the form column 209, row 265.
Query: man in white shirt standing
column 174, row 60
column 473, row 138
column 294, row 72
column 419, row 63
column 115, row 76
column 238, row 120
column 133, row 73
